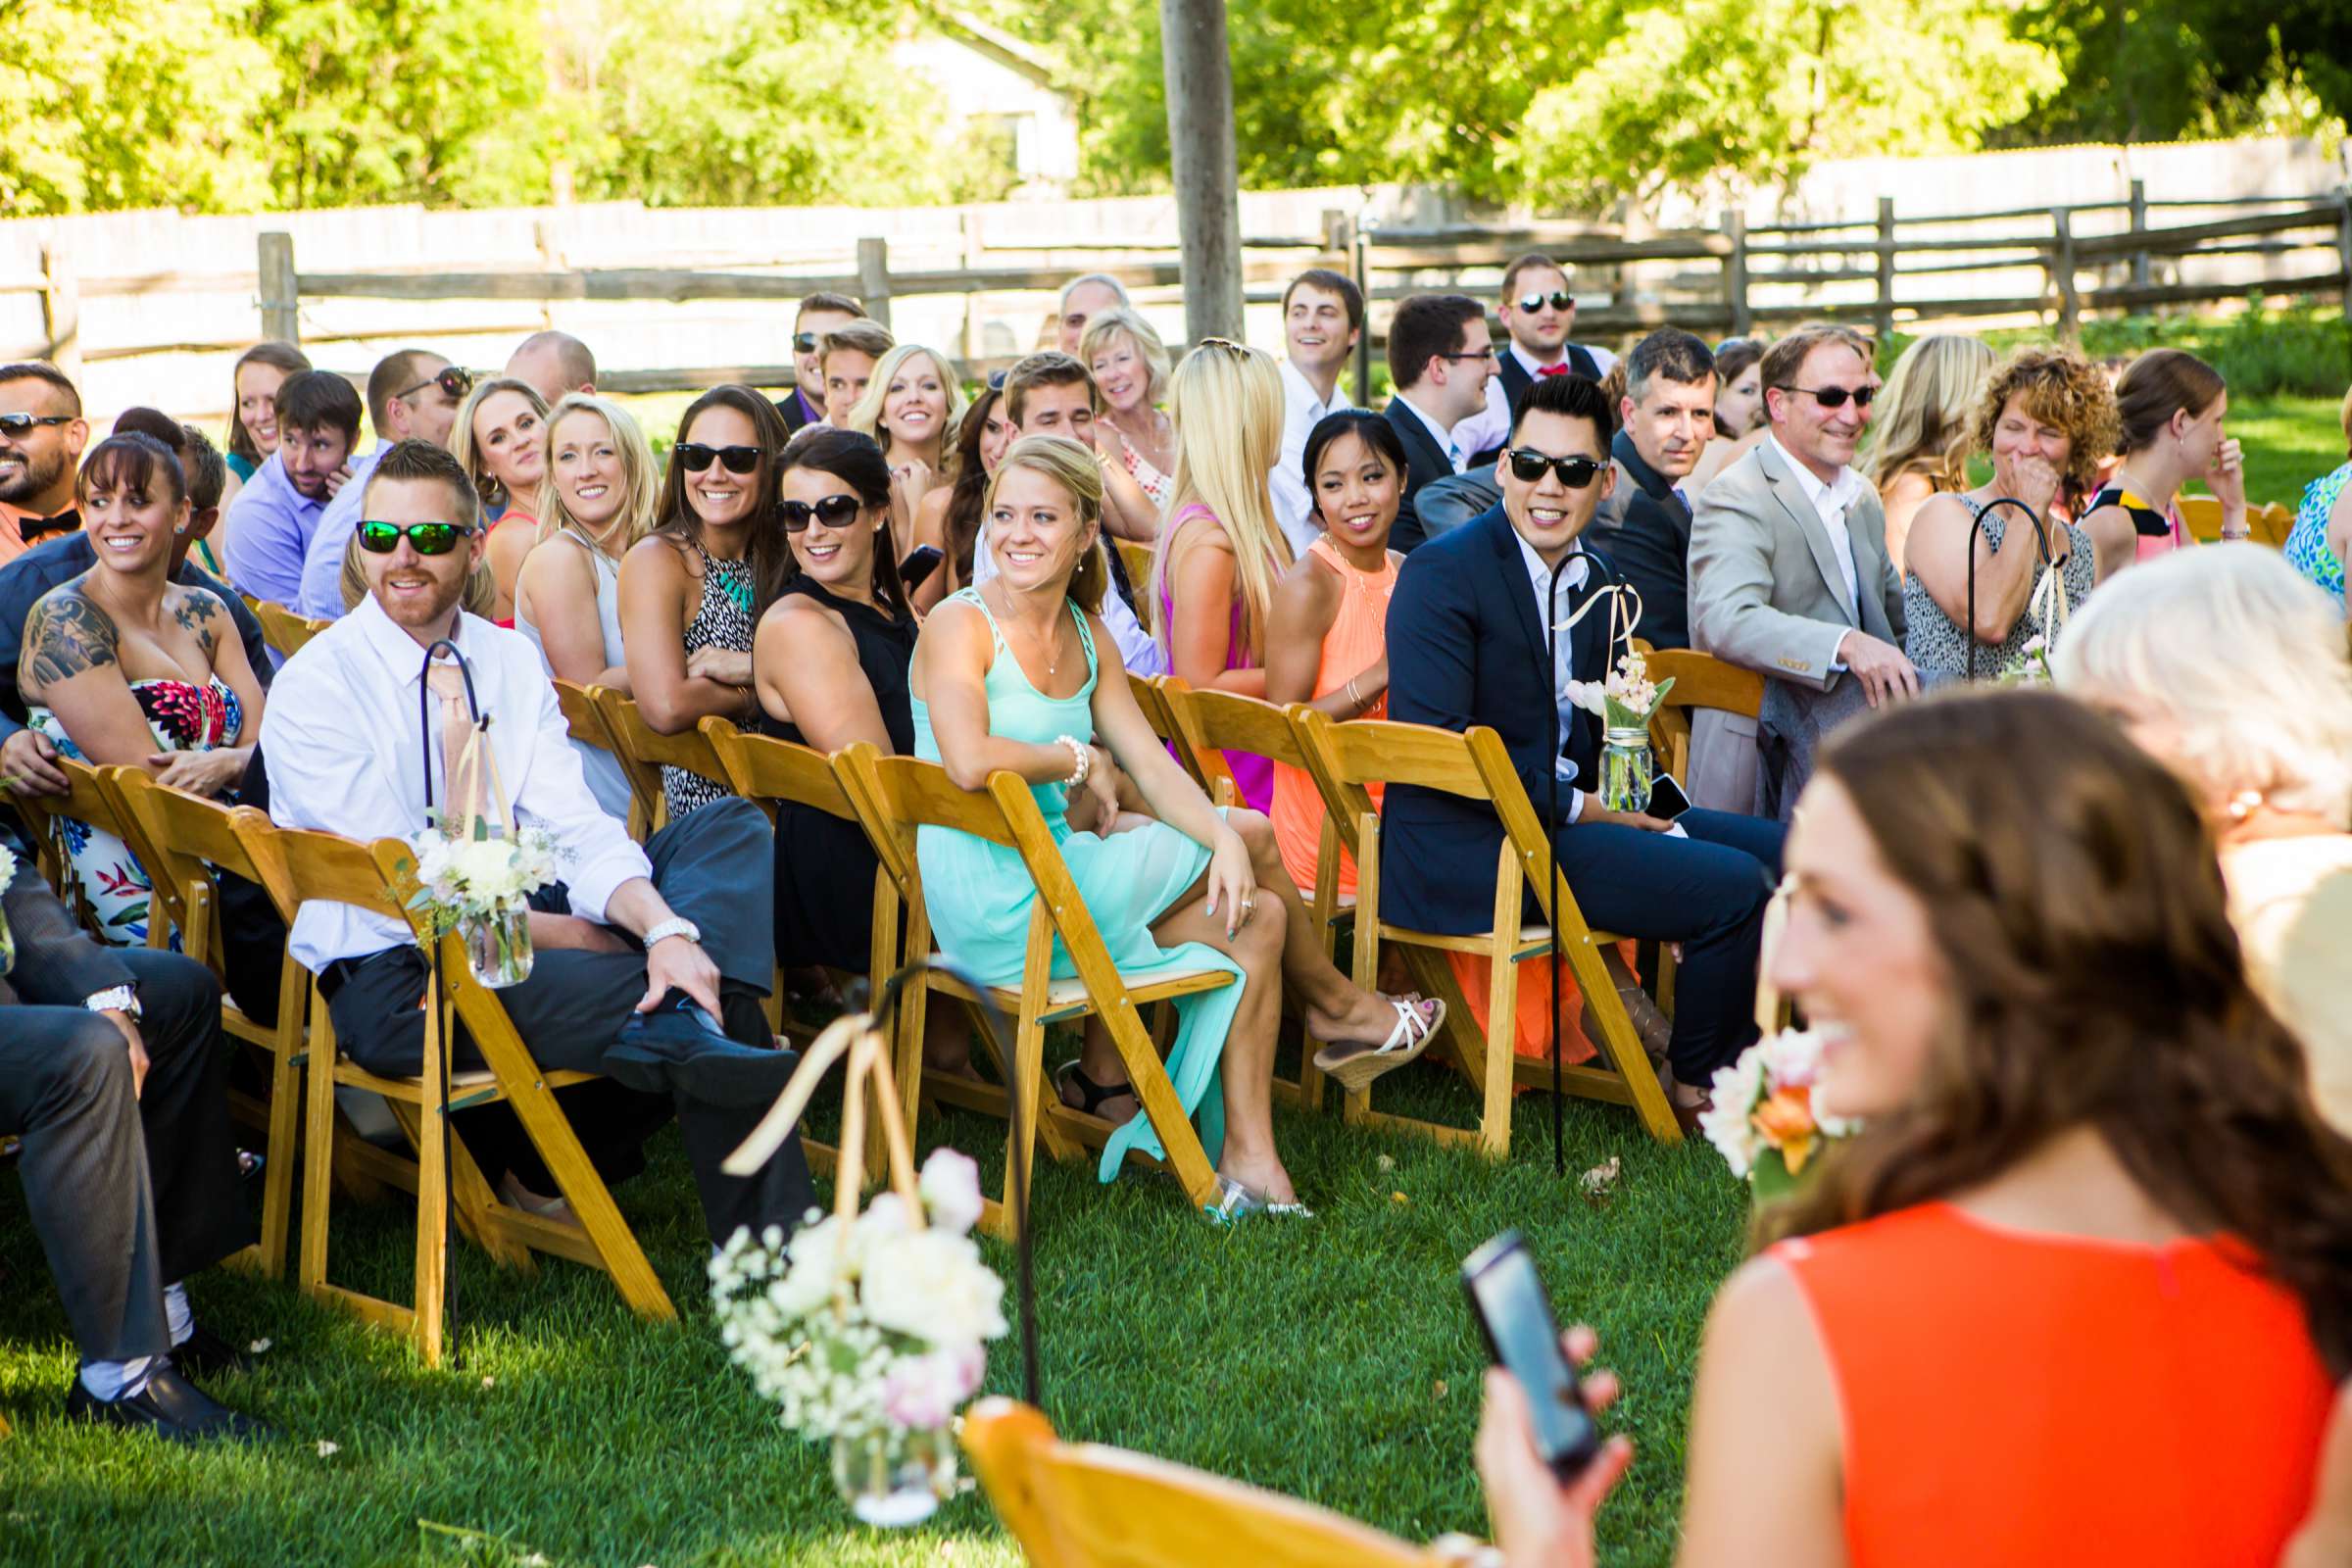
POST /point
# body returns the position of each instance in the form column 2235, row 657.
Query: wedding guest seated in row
column 2046, row 418
column 950, row 511
column 912, row 407
column 413, row 393
column 1467, row 645
column 554, row 364
column 123, row 667
column 42, row 434
column 1082, row 300
column 818, row 313
column 1789, row 577
column 1322, row 319
column 1537, row 311
column 2085, row 1148
column 847, row 361
column 1052, row 394
column 252, row 434
column 500, row 440
column 114, row 1077
column 1919, row 437
column 1643, row 528
column 269, row 529
column 2231, row 669
column 682, row 923
column 1441, row 357
column 1189, row 886
column 1739, row 422
column 1129, row 363
column 693, row 590
column 2170, row 406
column 1220, row 556
column 2320, row 540
column 603, row 492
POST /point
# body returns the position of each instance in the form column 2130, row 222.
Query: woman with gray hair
column 2232, row 670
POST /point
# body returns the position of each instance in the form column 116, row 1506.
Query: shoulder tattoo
column 66, row 636
column 195, row 615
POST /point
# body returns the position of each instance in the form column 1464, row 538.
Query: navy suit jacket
column 1466, row 648
column 1647, row 534
column 1425, row 462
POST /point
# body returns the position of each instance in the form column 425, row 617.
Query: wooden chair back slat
column 580, row 714
column 89, row 799
column 183, row 838
column 284, row 630
column 1137, row 559
column 913, row 794
column 301, row 864
column 1384, row 751
column 1699, row 681
column 2202, row 515
column 635, row 740
column 766, row 769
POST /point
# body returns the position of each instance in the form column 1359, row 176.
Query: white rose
column 951, row 1191
column 816, row 1269
column 933, row 1286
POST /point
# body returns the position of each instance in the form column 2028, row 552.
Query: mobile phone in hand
column 920, row 562
column 1666, row 798
column 1509, row 1303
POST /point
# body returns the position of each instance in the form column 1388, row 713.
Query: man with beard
column 41, row 436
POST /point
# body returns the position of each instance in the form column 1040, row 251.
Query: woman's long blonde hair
column 469, row 452
column 1073, row 468
column 865, row 414
column 640, row 476
column 1226, row 400
column 1923, row 419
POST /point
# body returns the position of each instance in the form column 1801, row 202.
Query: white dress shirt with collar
column 1301, row 410
column 1491, row 427
column 343, row 751
column 1563, row 668
column 1830, row 504
column 1447, row 441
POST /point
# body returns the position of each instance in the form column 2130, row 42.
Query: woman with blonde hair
column 1216, row 564
column 1130, row 364
column 500, row 440
column 1919, row 441
column 2228, row 666
column 911, row 408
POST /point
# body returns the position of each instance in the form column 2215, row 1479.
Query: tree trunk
column 1208, row 206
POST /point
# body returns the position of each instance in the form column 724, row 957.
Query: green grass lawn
column 1332, row 1359
column 2290, row 441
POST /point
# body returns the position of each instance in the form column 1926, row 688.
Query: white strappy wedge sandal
column 1408, row 1039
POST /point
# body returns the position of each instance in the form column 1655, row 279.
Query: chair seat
column 1067, row 999
column 1535, row 940
column 468, row 1083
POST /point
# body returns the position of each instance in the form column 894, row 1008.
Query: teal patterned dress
column 2307, row 542
column 979, row 894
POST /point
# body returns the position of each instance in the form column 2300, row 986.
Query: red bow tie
column 1560, row 368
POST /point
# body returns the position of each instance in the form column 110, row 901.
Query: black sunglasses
column 24, row 423
column 694, row 457
column 834, row 512
column 804, row 342
column 1560, row 298
column 425, row 538
column 1834, row 396
column 450, row 378
column 1575, row 472
column 996, row 380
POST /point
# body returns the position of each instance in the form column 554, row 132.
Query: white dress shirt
column 1563, row 657
column 343, row 751
column 1456, row 453
column 1302, row 411
column 1830, row 504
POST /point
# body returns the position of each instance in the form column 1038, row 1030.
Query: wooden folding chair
column 284, row 630
column 581, row 715
column 895, row 795
column 645, row 751
column 1699, row 681
column 1476, row 767
column 299, row 866
column 1207, row 725
column 2271, row 524
column 89, row 802
column 1137, row 559
column 1085, row 1505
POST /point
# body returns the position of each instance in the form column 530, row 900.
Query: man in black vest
column 1539, row 312
column 1644, row 526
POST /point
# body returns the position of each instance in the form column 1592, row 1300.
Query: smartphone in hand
column 1508, row 1302
column 1666, row 798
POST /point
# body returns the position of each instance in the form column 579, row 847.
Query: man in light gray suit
column 1790, row 577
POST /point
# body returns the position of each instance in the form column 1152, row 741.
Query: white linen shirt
column 1302, row 411
column 343, row 753
column 1563, row 667
column 1830, row 504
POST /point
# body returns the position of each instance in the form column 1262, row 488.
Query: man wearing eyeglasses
column 1790, row 577
column 1492, row 624
column 361, row 737
column 1441, row 356
column 819, row 314
column 41, row 436
column 413, row 395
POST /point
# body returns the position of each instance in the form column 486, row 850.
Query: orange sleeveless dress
column 2015, row 1399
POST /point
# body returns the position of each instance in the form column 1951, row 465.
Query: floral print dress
column 183, row 717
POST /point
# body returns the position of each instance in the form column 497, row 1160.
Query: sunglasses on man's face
column 834, row 512
column 17, row 425
column 1575, row 472
column 694, row 457
column 804, row 342
column 425, row 538
column 1834, row 396
column 1560, row 300
column 449, row 378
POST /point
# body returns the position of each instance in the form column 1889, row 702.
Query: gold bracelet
column 1353, row 696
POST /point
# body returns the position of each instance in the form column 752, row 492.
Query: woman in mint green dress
column 1019, row 675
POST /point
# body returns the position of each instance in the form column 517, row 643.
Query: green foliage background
column 234, row 104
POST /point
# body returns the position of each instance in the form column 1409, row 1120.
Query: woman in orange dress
column 2081, row 1290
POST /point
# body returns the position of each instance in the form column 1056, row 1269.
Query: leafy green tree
column 2159, row 70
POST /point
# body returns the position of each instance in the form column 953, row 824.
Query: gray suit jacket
column 1766, row 594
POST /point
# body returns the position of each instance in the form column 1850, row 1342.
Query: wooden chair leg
column 285, row 1123
column 1028, row 1082
column 1502, row 1019
column 321, row 1123
column 429, row 1326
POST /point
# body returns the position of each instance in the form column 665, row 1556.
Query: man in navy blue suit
column 1467, row 645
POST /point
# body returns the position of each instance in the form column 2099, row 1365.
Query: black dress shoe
column 206, row 1355
column 172, row 1408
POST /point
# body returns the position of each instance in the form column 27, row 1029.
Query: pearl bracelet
column 1082, row 760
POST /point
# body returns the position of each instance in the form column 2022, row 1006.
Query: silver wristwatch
column 674, row 926
column 115, row 999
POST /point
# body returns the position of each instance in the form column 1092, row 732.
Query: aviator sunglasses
column 694, row 457
column 834, row 512
column 1575, row 472
column 450, row 378
column 1834, row 396
column 1559, row 297
column 14, row 425
column 425, row 538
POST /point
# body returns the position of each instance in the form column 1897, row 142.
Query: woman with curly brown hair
column 2047, row 418
column 2080, row 1289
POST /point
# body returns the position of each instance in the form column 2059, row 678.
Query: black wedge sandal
column 1090, row 1095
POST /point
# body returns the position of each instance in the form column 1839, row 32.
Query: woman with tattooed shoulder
column 123, row 667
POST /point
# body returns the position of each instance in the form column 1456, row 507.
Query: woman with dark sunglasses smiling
column 691, row 593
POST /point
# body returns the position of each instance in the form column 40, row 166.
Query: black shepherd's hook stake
column 1017, row 1188
column 443, row 1020
column 2042, row 541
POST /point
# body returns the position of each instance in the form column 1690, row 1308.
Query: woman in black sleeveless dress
column 830, row 663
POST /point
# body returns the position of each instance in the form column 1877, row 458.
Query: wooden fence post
column 281, row 297
column 1735, row 270
column 967, row 224
column 2343, row 243
column 873, row 277
column 1360, row 269
column 1883, row 319
column 2062, row 272
column 2139, row 225
column 61, row 309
